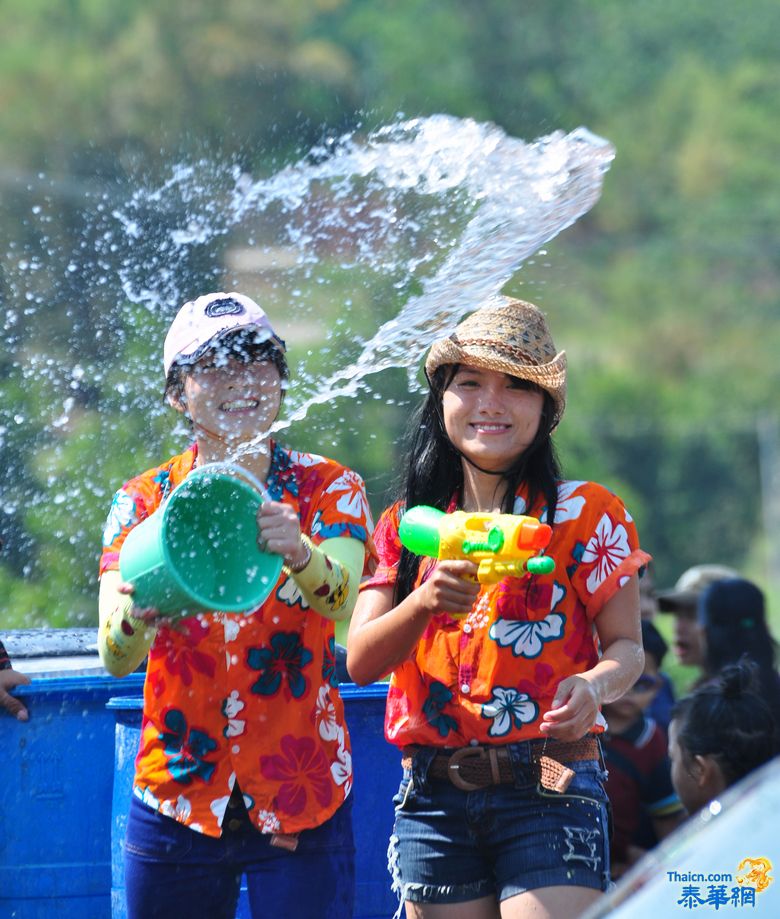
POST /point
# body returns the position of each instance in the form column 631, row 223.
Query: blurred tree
column 665, row 296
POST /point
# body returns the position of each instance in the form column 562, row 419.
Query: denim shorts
column 451, row 846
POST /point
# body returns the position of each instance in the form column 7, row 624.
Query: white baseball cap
column 690, row 585
column 199, row 321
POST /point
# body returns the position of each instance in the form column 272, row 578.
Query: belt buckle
column 454, row 763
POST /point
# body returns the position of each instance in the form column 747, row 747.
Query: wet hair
column 434, row 472
column 732, row 614
column 728, row 720
column 245, row 344
column 653, row 642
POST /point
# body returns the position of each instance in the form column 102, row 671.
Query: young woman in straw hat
column 496, row 689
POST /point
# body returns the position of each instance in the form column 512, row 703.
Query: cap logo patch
column 225, row 306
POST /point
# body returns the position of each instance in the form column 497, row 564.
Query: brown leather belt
column 471, row 768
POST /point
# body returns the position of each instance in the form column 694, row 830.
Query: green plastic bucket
column 198, row 551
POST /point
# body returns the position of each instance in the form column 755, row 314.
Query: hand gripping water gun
column 502, row 545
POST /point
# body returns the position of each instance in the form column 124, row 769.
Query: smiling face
column 491, row 417
column 232, row 397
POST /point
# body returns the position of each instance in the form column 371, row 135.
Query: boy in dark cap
column 682, row 601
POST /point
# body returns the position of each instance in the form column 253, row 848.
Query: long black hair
column 434, row 471
column 732, row 614
column 728, row 720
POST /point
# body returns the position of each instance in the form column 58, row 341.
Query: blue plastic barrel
column 377, row 772
column 55, row 799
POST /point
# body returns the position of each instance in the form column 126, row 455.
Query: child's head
column 227, row 324
column 718, row 735
column 508, row 336
column 225, row 366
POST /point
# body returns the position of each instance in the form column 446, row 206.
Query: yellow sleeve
column 123, row 640
column 329, row 581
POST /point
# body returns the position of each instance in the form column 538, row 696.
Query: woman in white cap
column 244, row 764
column 496, row 689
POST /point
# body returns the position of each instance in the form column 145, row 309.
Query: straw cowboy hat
column 510, row 336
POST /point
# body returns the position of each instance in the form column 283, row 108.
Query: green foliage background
column 665, row 296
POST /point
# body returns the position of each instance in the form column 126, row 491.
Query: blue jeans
column 171, row 870
column 451, row 846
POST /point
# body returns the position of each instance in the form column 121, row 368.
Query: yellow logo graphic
column 755, row 872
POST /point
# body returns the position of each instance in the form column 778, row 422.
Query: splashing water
column 362, row 252
column 518, row 196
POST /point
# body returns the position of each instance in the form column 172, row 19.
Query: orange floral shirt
column 490, row 676
column 251, row 697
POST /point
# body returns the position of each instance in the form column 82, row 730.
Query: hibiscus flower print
column 386, row 540
column 186, row 749
column 325, row 715
column 180, row 811
column 567, row 508
column 121, row 516
column 303, row 771
column 306, row 459
column 352, row 495
column 148, row 797
column 218, row 806
column 509, row 708
column 329, row 663
column 290, row 594
column 163, row 482
column 605, row 550
column 478, row 618
column 268, row 822
column 281, row 475
column 527, row 639
column 180, row 655
column 341, row 770
column 232, row 627
column 517, row 596
column 231, row 708
column 283, row 662
column 438, row 697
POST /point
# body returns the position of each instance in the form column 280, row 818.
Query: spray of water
column 362, row 252
column 518, row 195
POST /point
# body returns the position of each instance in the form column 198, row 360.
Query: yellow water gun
column 502, row 545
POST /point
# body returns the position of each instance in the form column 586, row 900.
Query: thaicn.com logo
column 723, row 890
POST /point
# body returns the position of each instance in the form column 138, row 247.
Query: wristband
column 295, row 569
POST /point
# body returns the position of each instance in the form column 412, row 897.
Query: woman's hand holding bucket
column 279, row 531
column 148, row 614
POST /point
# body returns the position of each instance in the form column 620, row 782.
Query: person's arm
column 9, row 679
column 123, row 639
column 382, row 636
column 579, row 697
column 330, row 576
